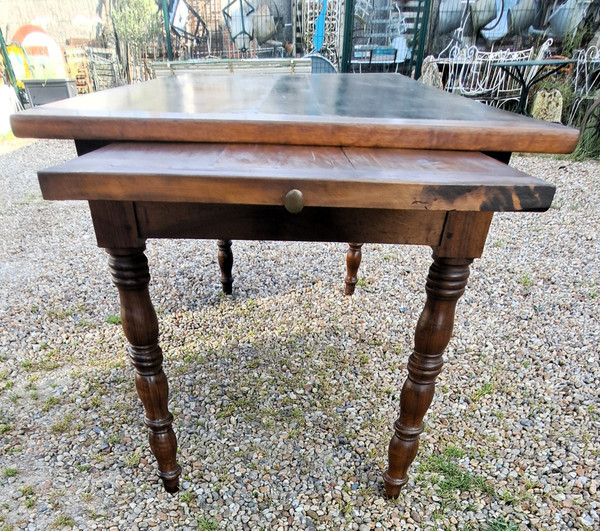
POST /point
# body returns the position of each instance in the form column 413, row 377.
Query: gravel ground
column 284, row 393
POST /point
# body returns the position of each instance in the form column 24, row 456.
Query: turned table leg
column 446, row 282
column 353, row 257
column 226, row 264
column 129, row 269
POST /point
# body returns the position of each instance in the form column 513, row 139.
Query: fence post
column 422, row 38
column 167, row 30
column 348, row 34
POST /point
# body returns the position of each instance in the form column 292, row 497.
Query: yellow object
column 19, row 62
column 43, row 55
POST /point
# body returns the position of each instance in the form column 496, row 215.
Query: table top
column 537, row 62
column 363, row 110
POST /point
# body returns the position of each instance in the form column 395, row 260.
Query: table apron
column 257, row 222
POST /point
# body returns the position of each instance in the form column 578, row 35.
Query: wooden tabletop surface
column 364, row 110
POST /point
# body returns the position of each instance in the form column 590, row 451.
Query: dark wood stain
column 379, row 110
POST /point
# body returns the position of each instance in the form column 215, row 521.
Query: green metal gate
column 385, row 35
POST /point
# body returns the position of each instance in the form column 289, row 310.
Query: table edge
column 459, row 135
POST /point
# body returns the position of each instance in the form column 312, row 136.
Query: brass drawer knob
column 294, row 201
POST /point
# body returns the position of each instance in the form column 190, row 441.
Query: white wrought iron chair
column 586, row 82
column 475, row 74
column 508, row 89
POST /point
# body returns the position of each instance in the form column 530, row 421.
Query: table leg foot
column 226, row 265
column 129, row 269
column 393, row 486
column 353, row 258
column 171, row 480
column 446, row 282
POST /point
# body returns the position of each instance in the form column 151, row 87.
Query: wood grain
column 251, row 222
column 130, row 273
column 375, row 110
column 446, row 282
column 115, row 224
column 256, row 174
column 464, row 234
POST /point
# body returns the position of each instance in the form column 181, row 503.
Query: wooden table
column 369, row 158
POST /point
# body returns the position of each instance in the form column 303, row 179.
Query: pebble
column 285, row 393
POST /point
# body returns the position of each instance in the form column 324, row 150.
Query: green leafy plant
column 136, row 21
column 453, row 477
column 133, row 459
column 589, row 141
column 486, row 389
column 10, row 472
column 186, row 497
column 207, row 524
column 501, row 525
column 525, row 280
column 63, row 425
column 114, row 319
column 62, row 521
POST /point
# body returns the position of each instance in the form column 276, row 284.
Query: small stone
column 587, row 522
column 415, row 515
column 224, row 358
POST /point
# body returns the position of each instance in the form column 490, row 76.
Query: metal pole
column 423, row 39
column 414, row 41
column 347, row 41
column 9, row 69
column 167, row 30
